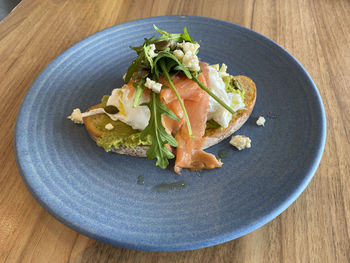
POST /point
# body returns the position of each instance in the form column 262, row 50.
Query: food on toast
column 171, row 105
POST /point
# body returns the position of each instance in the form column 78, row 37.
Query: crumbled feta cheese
column 155, row 86
column 222, row 70
column 178, row 54
column 260, row 121
column 151, row 52
column 191, row 61
column 109, row 126
column 240, row 142
column 188, row 55
column 76, row 116
column 188, row 46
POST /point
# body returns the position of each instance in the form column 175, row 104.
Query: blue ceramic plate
column 104, row 196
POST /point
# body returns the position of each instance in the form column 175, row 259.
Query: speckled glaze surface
column 100, row 195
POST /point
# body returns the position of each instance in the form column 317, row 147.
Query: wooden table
column 315, row 228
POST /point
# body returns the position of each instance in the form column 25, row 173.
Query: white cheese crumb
column 151, row 52
column 260, row 121
column 76, row 116
column 155, row 86
column 191, row 61
column 188, row 46
column 109, row 126
column 178, row 54
column 188, row 56
column 240, row 142
column 222, row 70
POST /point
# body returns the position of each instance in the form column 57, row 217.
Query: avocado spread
column 232, row 85
column 122, row 134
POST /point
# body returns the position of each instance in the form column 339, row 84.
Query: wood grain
column 316, row 228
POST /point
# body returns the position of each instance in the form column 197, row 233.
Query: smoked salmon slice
column 188, row 152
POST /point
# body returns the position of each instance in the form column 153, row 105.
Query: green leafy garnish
column 146, row 49
column 171, row 63
column 143, row 60
column 134, row 67
column 148, row 41
column 159, row 137
column 139, row 86
column 177, row 37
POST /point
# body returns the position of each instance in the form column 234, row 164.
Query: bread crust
column 212, row 136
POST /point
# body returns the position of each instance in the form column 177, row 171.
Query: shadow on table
column 99, row 252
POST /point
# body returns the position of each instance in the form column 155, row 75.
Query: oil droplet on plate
column 166, row 187
column 222, row 153
column 141, row 180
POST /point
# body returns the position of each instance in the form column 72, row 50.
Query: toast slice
column 212, row 136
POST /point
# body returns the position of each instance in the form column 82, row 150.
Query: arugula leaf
column 144, row 58
column 133, row 68
column 142, row 54
column 177, row 37
column 139, row 86
column 146, row 49
column 159, row 137
column 186, row 36
column 148, row 41
column 171, row 63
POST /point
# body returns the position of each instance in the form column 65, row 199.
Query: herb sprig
column 159, row 136
column 177, row 37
